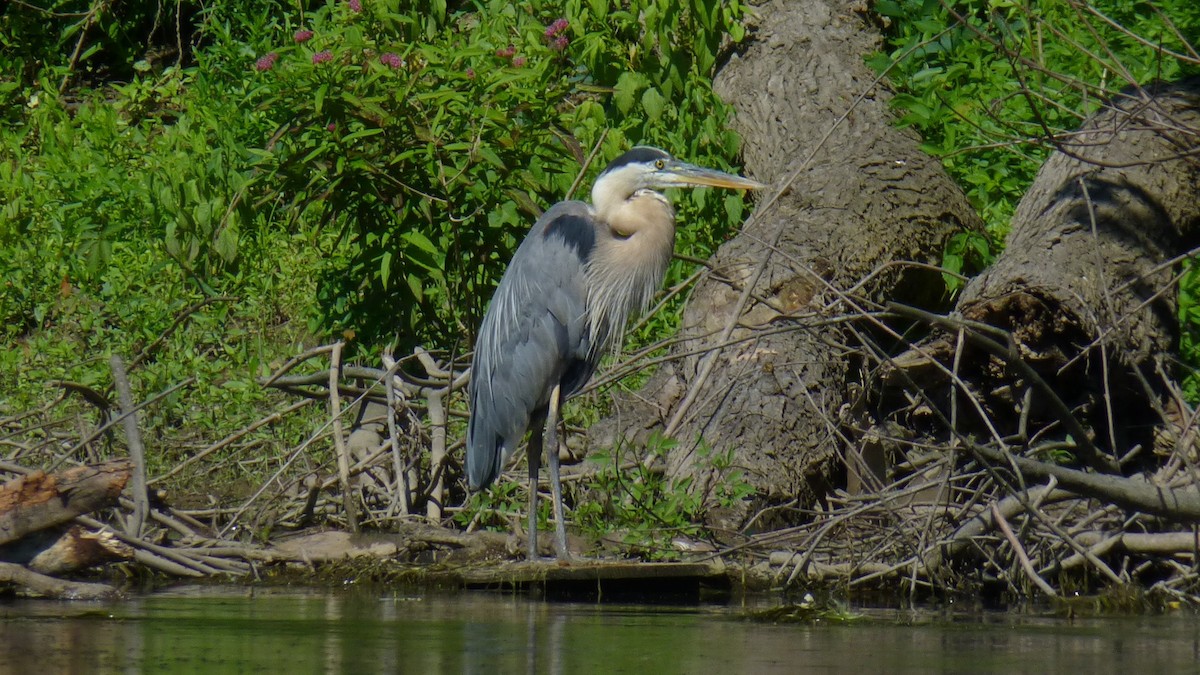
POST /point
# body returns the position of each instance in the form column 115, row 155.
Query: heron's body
column 578, row 276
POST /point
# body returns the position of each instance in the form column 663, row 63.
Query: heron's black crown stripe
column 638, row 155
column 575, row 231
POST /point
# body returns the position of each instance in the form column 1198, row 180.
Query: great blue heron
column 580, row 273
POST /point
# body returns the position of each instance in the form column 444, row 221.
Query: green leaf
column 626, row 89
column 319, row 98
column 421, row 241
column 226, row 244
column 653, row 103
column 363, row 133
column 385, row 268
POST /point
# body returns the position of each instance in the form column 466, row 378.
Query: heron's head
column 646, row 168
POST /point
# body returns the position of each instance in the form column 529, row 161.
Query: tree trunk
column 764, row 374
column 1086, row 289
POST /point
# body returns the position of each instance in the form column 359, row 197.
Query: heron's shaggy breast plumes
column 627, row 267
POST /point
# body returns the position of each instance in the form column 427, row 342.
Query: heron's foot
column 561, row 550
column 561, row 554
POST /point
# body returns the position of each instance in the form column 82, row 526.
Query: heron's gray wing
column 533, row 337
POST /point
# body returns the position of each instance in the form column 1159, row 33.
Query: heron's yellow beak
column 680, row 174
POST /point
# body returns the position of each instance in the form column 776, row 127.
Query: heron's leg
column 560, row 527
column 534, row 453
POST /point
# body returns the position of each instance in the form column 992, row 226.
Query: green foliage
column 419, row 142
column 965, row 251
column 989, row 83
column 643, row 509
column 1189, row 334
column 625, row 500
column 431, row 142
column 207, row 213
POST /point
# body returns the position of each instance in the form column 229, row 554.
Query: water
column 237, row 631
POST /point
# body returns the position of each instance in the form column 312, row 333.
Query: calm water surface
column 221, row 631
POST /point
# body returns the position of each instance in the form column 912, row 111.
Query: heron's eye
column 659, row 163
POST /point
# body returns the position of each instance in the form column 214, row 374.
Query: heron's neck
column 626, row 269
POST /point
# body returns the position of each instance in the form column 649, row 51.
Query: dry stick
column 403, row 495
column 982, row 522
column 1108, row 305
column 343, row 453
column 1019, row 550
column 586, row 163
column 176, row 520
column 52, row 587
column 137, row 452
column 1074, row 480
column 157, row 557
column 269, row 419
column 278, row 472
column 1179, row 505
column 437, row 457
column 90, row 20
column 295, row 361
column 436, row 400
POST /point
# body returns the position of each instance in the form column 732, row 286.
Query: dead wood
column 1085, row 292
column 1181, row 505
column 30, row 582
column 62, row 550
column 38, row 500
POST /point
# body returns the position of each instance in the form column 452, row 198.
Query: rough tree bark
column 857, row 195
column 1086, row 290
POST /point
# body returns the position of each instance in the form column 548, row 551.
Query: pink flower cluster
column 266, row 61
column 509, row 53
column 391, row 60
column 559, row 25
column 302, row 36
column 355, row 6
column 323, row 57
column 554, row 36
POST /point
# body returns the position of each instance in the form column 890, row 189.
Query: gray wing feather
column 533, row 335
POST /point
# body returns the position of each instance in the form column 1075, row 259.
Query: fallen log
column 39, row 584
column 39, row 500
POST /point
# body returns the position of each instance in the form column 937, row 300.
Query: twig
column 149, row 349
column 1022, row 557
column 1011, row 356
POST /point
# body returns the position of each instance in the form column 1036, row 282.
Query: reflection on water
column 214, row 630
